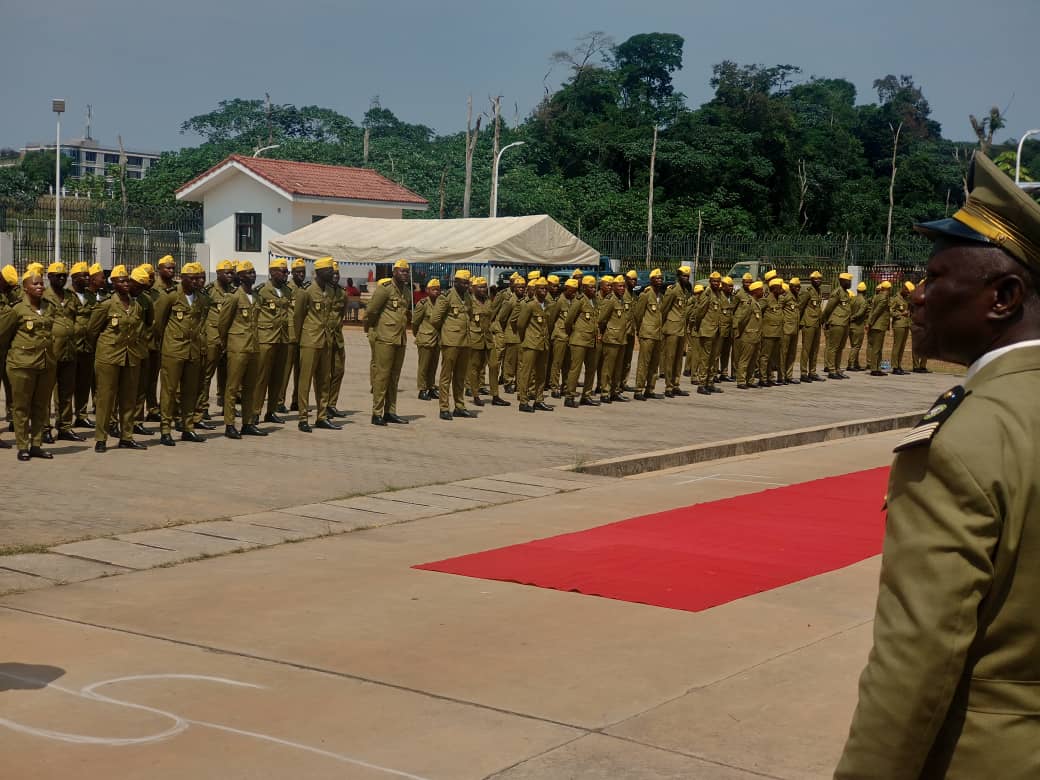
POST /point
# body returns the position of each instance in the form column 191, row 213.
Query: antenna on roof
column 90, row 117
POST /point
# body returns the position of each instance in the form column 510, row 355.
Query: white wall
column 303, row 213
column 242, row 194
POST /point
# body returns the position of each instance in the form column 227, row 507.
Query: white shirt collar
column 992, row 355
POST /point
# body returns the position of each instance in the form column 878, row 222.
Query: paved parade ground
column 333, row 657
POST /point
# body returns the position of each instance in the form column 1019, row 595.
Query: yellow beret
column 532, row 275
column 166, row 260
column 520, row 281
column 225, row 265
column 36, row 267
column 140, row 275
column 402, row 263
column 433, row 283
column 278, row 262
column 770, row 274
column 245, row 265
column 540, row 282
column 297, row 263
column 631, row 274
column 514, row 276
column 119, row 272
column 852, row 293
column 909, row 286
column 606, row 280
column 847, row 277
column 57, row 268
column 324, row 262
column 572, row 283
column 795, row 281
column 577, row 273
column 192, row 268
column 619, row 279
column 776, row 282
column 755, row 286
column 683, row 269
column 715, row 275
column 463, row 273
column 95, row 269
column 10, row 274
column 815, row 275
column 588, row 280
column 727, row 280
column 30, row 273
column 553, row 279
column 147, row 268
column 862, row 286
column 747, row 277
column 786, row 288
column 79, row 268
column 698, row 288
column 478, row 281
column 655, row 273
column 885, row 285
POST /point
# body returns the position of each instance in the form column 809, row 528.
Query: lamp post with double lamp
column 58, row 107
column 1028, row 186
column 494, row 176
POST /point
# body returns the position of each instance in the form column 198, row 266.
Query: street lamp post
column 1018, row 157
column 263, row 149
column 494, row 176
column 58, row 107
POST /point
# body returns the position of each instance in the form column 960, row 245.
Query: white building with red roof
column 247, row 201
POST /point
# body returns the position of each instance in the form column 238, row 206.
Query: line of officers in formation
column 576, row 339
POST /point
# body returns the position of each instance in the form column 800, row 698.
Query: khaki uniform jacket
column 64, row 314
column 729, row 305
column 83, row 342
column 144, row 337
column 422, row 325
column 740, row 295
column 614, row 320
column 116, row 331
column 899, row 312
column 647, row 315
column 880, row 316
column 480, row 324
column 839, row 307
column 674, row 310
column 276, row 312
column 386, row 314
column 506, row 316
column 215, row 296
column 532, row 324
column 952, row 686
column 772, row 316
column 859, row 308
column 709, row 313
column 239, row 323
column 558, row 319
column 809, row 301
column 582, row 324
column 26, row 335
column 292, row 288
column 630, row 304
column 335, row 321
column 180, row 326
column 152, row 295
column 451, row 317
column 792, row 313
column 747, row 319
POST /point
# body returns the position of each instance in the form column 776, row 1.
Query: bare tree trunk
column 803, row 188
column 496, row 108
column 444, row 179
column 892, row 190
column 697, row 250
column 650, row 202
column 122, row 177
column 364, row 145
column 471, row 145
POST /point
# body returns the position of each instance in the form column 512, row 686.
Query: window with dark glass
column 90, row 156
column 112, row 159
column 247, row 232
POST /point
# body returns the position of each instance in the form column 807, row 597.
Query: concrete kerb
column 631, row 465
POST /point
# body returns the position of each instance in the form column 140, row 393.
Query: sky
column 146, row 66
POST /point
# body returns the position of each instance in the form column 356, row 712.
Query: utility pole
column 650, row 203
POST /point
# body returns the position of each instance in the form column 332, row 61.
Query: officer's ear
column 1008, row 294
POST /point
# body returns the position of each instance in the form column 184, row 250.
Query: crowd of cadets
column 146, row 345
column 576, row 339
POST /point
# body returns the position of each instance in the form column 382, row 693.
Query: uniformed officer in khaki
column 533, row 327
column 116, row 328
column 747, row 330
column 141, row 280
column 789, row 339
column 387, row 316
column 180, row 327
column 647, row 317
column 877, row 326
column 920, row 361
column 835, row 319
column 725, row 371
column 238, row 328
column 772, row 330
column 312, row 308
column 708, row 313
column 675, row 315
column 451, row 317
column 615, row 318
column 859, row 309
column 297, row 281
column 64, row 316
column 811, row 310
column 480, row 343
column 25, row 334
column 558, row 338
column 276, row 312
column 79, row 279
column 339, row 345
column 427, row 341
column 214, row 362
column 10, row 289
column 582, row 326
column 899, row 309
column 506, row 316
column 631, row 278
column 162, row 282
column 950, row 688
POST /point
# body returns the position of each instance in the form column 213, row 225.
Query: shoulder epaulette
column 259, row 287
column 941, row 411
column 306, row 284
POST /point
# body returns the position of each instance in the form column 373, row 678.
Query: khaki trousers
column 768, row 357
column 152, row 380
column 292, row 366
column 788, row 355
column 673, row 349
column 747, row 357
column 243, row 368
column 84, row 383
column 610, row 373
column 899, row 336
column 530, row 385
column 494, row 361
column 478, row 360
column 64, row 394
column 316, row 370
column 213, row 362
column 836, row 337
column 558, row 366
column 709, row 354
column 919, row 361
column 180, row 382
column 271, row 368
column 855, row 345
column 116, row 393
column 31, row 390
column 725, row 367
column 582, row 357
column 510, row 357
column 388, row 360
column 426, row 375
column 626, row 360
column 339, row 368
column 647, row 367
column 875, row 343
column 454, row 365
column 810, row 349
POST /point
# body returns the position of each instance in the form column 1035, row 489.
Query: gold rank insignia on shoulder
column 941, row 411
column 29, row 325
column 180, row 315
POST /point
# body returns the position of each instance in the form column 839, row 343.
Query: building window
column 133, row 161
column 317, row 218
column 247, row 232
column 134, row 174
column 90, row 156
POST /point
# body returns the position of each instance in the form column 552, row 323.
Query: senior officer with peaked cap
column 952, row 685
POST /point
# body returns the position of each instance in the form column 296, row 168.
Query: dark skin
column 756, row 294
column 278, row 277
column 795, row 289
column 97, row 281
column 816, row 283
column 554, row 288
column 589, row 290
column 845, row 283
column 519, row 288
column 121, row 287
column 166, row 273
column 715, row 284
column 976, row 298
column 401, row 277
column 299, row 275
column 4, row 286
column 657, row 282
column 745, row 283
column 80, row 281
column 569, row 292
column 323, row 276
column 136, row 288
column 224, row 279
column 58, row 283
column 540, row 292
column 188, row 283
column 435, row 292
column 728, row 289
column 630, row 283
column 33, row 289
column 246, row 279
column 684, row 280
column 619, row 288
column 481, row 292
column 461, row 286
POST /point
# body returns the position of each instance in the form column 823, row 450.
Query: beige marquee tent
column 533, row 240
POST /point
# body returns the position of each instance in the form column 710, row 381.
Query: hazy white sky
column 147, row 66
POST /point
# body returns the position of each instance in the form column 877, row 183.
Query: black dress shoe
column 793, row 382
column 446, row 416
column 687, row 373
column 424, row 395
column 478, row 401
column 82, row 422
column 332, row 411
column 39, row 452
column 232, row 432
column 281, row 409
column 541, row 406
column 166, row 440
column 5, row 445
column 702, row 390
column 654, row 396
column 153, row 417
column 434, row 395
column 192, row 437
column 463, row 413
column 571, row 403
column 604, row 398
column 555, row 393
column 668, row 394
column 10, row 427
column 327, row 425
column 878, row 373
column 899, row 372
column 496, row 401
column 589, row 402
column 206, row 415
column 639, row 397
column 70, row 436
column 484, row 391
column 304, row 426
column 252, row 430
column 177, row 426
column 393, row 418
column 48, row 437
column 23, row 455
column 621, row 399
column 100, row 446
column 510, row 388
column 377, row 420
column 202, row 425
column 140, row 430
column 293, row 408
column 130, row 444
column 271, row 417
column 525, row 408
column 832, row 375
column 818, row 378
column 679, row 393
column 626, row 388
column 713, row 389
column 742, row 386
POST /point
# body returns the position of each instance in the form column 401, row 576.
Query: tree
column 645, row 64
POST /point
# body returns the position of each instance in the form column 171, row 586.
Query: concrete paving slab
column 305, row 526
column 12, row 581
column 349, row 519
column 531, row 490
column 483, row 497
column 396, row 509
column 59, row 568
column 427, row 497
column 120, row 553
column 246, row 532
column 557, row 477
column 187, row 542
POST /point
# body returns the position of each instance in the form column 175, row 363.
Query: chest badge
column 29, row 325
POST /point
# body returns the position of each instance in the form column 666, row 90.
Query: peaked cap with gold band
column 997, row 212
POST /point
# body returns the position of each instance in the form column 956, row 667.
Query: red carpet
column 703, row 555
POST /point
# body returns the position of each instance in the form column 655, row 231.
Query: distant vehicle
column 757, row 268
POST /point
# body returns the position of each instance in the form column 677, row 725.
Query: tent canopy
column 534, row 240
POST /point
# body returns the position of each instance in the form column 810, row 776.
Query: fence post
column 6, row 249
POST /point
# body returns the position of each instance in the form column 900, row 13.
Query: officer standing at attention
column 919, row 360
column 631, row 278
column 726, row 367
column 297, row 281
column 387, row 317
column 582, row 326
column 532, row 324
column 339, row 346
column 647, row 316
column 163, row 282
column 950, row 686
column 239, row 333
column 747, row 329
column 899, row 309
column 64, row 315
column 789, row 338
column 772, row 330
column 142, row 279
column 116, row 329
column 312, row 308
column 836, row 322
column 506, row 316
column 558, row 338
column 427, row 342
column 213, row 360
column 79, row 278
column 708, row 312
column 25, row 334
column 276, row 312
column 877, row 326
column 675, row 313
column 480, row 343
column 180, row 327
column 859, row 309
column 614, row 321
column 809, row 302
column 451, row 317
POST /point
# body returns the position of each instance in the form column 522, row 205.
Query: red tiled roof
column 321, row 181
